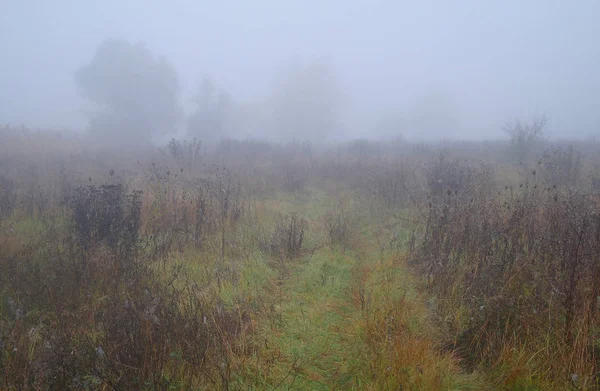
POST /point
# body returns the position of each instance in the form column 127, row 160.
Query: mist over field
column 318, row 71
column 276, row 195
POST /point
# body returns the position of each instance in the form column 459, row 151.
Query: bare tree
column 523, row 136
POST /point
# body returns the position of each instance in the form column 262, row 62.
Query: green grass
column 343, row 318
column 311, row 316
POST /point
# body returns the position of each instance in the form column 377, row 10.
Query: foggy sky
column 472, row 66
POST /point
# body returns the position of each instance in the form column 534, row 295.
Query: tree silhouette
column 215, row 113
column 135, row 93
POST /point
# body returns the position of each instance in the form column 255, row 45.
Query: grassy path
column 345, row 319
column 312, row 331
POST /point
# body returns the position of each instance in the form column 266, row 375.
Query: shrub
column 289, row 235
column 524, row 136
column 105, row 214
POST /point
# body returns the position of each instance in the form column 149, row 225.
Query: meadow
column 250, row 265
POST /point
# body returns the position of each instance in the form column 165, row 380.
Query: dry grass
column 258, row 266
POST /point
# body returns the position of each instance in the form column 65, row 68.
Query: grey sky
column 484, row 62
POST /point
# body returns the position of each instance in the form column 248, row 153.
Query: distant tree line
column 136, row 97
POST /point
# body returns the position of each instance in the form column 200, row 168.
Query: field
column 248, row 265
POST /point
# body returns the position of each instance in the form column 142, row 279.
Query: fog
column 343, row 69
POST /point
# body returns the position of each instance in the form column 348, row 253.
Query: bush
column 288, row 237
column 525, row 136
column 105, row 214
